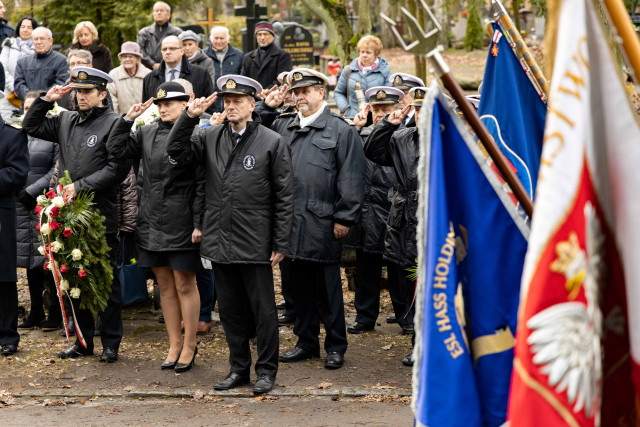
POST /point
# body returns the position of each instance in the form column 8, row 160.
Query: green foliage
column 474, row 34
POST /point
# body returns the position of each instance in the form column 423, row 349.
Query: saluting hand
column 360, row 119
column 200, row 105
column 136, row 110
column 266, row 92
column 56, row 93
column 276, row 98
column 398, row 116
column 218, row 118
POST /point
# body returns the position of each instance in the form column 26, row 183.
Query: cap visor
column 78, row 85
column 174, row 98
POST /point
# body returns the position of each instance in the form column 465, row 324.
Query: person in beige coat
column 126, row 89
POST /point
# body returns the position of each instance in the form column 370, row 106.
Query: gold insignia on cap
column 82, row 75
column 381, row 94
column 297, row 76
column 161, row 93
column 398, row 81
column 230, row 84
column 419, row 94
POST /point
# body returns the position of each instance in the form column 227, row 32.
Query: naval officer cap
column 379, row 95
column 282, row 77
column 238, row 85
column 302, row 77
column 418, row 94
column 405, row 81
column 88, row 78
column 170, row 91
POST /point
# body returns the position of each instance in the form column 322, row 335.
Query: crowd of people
column 246, row 168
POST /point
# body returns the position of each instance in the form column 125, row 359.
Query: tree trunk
column 334, row 14
column 515, row 5
column 364, row 17
column 227, row 8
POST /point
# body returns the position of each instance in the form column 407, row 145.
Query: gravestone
column 297, row 40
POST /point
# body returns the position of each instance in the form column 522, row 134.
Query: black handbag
column 133, row 282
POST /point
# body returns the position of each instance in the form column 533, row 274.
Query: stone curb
column 160, row 394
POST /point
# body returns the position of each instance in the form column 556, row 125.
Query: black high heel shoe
column 184, row 367
column 170, row 365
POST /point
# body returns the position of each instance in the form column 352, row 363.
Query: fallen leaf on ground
column 231, row 405
column 266, row 398
column 324, row 385
column 213, row 399
column 128, row 388
column 79, row 379
column 198, row 394
column 389, row 347
column 383, row 387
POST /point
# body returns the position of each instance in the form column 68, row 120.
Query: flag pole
column 630, row 42
column 443, row 71
column 521, row 47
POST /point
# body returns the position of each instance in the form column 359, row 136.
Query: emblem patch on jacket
column 249, row 162
column 173, row 162
column 92, row 141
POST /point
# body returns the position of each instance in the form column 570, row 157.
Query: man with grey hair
column 226, row 58
column 150, row 38
column 42, row 70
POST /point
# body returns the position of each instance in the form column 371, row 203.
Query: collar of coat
column 251, row 125
column 184, row 70
column 318, row 123
column 94, row 113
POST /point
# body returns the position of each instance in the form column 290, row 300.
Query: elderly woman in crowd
column 85, row 36
column 126, row 89
column 42, row 159
column 366, row 71
column 19, row 46
column 169, row 218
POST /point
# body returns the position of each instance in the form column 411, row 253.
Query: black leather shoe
column 109, row 355
column 264, row 384
column 335, row 360
column 408, row 330
column 233, row 380
column 74, row 351
column 32, row 321
column 51, row 325
column 285, row 320
column 9, row 349
column 408, row 360
column 168, row 365
column 392, row 319
column 358, row 328
column 297, row 354
column 280, row 305
column 184, row 367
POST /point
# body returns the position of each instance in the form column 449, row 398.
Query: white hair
column 48, row 31
column 161, row 3
column 225, row 29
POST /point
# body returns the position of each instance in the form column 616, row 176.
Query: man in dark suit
column 175, row 65
column 268, row 60
column 14, row 168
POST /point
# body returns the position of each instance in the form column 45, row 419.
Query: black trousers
column 289, row 309
column 9, row 314
column 244, row 288
column 402, row 298
column 317, row 293
column 37, row 278
column 111, row 333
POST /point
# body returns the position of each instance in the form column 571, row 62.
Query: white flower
column 44, row 229
column 56, row 246
column 76, row 254
column 41, row 250
column 42, row 199
column 64, row 285
column 58, row 201
column 75, row 293
column 50, row 265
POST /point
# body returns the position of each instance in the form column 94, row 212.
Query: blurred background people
column 126, row 88
column 85, row 36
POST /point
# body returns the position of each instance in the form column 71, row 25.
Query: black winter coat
column 328, row 169
column 42, row 160
column 14, row 168
column 197, row 76
column 83, row 151
column 166, row 211
column 101, row 55
column 266, row 72
column 389, row 146
column 379, row 185
column 249, row 189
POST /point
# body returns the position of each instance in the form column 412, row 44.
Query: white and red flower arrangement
column 73, row 238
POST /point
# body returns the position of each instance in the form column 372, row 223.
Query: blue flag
column 474, row 244
column 512, row 110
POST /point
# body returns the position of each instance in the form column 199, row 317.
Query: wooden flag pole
column 630, row 42
column 507, row 24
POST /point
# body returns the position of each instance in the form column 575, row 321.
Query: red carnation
column 38, row 227
column 38, row 209
column 54, row 225
column 51, row 194
column 82, row 274
column 64, row 269
column 55, row 211
column 67, row 232
column 46, row 265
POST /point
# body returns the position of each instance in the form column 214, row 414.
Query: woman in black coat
column 85, row 36
column 42, row 160
column 169, row 218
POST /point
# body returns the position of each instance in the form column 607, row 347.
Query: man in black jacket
column 247, row 220
column 82, row 136
column 175, row 65
column 328, row 168
column 14, row 167
column 268, row 60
